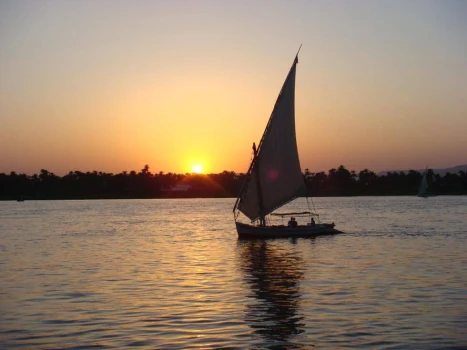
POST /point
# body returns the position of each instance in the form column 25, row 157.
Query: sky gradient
column 114, row 85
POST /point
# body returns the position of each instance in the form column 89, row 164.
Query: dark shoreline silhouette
column 144, row 184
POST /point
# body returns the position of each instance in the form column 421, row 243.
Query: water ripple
column 171, row 274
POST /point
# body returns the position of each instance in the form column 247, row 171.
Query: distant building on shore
column 177, row 188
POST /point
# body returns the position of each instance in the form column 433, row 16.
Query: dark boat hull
column 250, row 231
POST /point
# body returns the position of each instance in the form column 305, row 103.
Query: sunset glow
column 117, row 85
column 198, row 169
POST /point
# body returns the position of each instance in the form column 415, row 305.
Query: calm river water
column 171, row 274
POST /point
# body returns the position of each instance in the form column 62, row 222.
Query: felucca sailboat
column 423, row 189
column 274, row 177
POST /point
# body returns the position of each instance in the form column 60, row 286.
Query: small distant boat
column 20, row 200
column 423, row 189
column 275, row 177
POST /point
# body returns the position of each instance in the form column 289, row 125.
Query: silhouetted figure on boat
column 292, row 222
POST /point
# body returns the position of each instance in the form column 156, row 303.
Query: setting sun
column 197, row 169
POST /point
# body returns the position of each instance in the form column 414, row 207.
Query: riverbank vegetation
column 144, row 184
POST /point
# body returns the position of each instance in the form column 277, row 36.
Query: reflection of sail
column 273, row 277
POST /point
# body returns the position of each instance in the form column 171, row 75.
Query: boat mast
column 258, row 185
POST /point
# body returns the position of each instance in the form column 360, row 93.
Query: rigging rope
column 312, row 207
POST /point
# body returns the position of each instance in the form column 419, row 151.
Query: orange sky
column 114, row 85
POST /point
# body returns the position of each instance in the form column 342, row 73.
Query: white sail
column 275, row 177
column 423, row 185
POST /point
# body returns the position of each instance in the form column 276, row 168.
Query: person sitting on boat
column 312, row 221
column 292, row 222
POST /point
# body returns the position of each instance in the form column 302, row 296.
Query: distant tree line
column 144, row 184
column 342, row 182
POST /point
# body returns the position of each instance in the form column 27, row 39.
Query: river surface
column 171, row 274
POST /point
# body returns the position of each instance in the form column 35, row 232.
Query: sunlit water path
column 171, row 274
